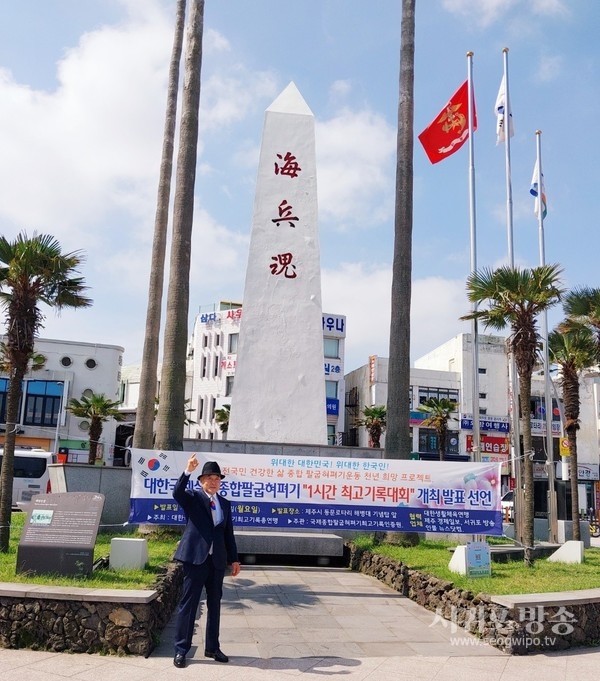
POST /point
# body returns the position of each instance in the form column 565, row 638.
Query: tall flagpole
column 475, row 385
column 552, row 505
column 512, row 366
column 507, row 136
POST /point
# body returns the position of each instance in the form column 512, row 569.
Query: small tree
column 514, row 297
column 98, row 409
column 33, row 271
column 222, row 417
column 374, row 420
column 440, row 411
column 573, row 347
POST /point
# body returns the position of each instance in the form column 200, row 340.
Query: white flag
column 535, row 191
column 501, row 114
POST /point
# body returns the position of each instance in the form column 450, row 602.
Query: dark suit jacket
column 200, row 531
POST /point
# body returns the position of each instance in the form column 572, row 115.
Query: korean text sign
column 329, row 492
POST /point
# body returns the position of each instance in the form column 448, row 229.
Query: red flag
column 450, row 128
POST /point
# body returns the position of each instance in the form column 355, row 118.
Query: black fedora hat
column 211, row 468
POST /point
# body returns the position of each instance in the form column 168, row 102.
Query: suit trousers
column 196, row 577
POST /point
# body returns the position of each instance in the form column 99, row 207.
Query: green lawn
column 513, row 577
column 161, row 546
column 429, row 556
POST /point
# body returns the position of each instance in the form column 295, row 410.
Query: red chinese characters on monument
column 283, row 265
column 286, row 165
column 289, row 166
column 286, row 214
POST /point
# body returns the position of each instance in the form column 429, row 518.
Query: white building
column 367, row 386
column 71, row 369
column 213, row 352
column 447, row 372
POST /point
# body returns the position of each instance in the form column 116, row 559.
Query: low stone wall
column 101, row 621
column 517, row 626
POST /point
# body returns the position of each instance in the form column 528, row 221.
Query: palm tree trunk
column 144, row 422
column 171, row 409
column 95, row 433
column 397, row 441
column 572, row 438
column 8, row 459
column 528, row 492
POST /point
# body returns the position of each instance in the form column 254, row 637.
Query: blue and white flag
column 534, row 190
column 501, row 114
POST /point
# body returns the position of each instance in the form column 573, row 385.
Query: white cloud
column 340, row 89
column 485, row 13
column 549, row 68
column 227, row 98
column 362, row 293
column 549, row 7
column 98, row 133
column 355, row 152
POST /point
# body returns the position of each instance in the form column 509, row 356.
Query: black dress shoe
column 217, row 655
column 179, row 661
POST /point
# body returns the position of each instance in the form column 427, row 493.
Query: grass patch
column 161, row 546
column 513, row 577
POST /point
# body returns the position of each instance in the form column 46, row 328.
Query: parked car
column 508, row 506
column 31, row 474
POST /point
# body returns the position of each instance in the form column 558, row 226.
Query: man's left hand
column 235, row 569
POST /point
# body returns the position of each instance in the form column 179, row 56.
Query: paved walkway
column 309, row 623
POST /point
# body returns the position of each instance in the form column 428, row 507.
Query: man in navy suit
column 205, row 549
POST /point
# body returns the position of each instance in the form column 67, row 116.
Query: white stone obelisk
column 279, row 386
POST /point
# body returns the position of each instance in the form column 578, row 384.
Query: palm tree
column 440, row 411
column 375, row 422
column 397, row 441
column 573, row 347
column 222, row 417
column 33, row 270
column 143, row 435
column 36, row 363
column 97, row 409
column 170, row 418
column 582, row 306
column 514, row 297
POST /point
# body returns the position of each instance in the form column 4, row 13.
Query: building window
column 217, row 365
column 482, row 370
column 42, row 403
column 3, row 395
column 204, row 367
column 426, row 394
column 213, row 405
column 331, row 440
column 204, row 340
column 482, row 396
column 228, row 385
column 538, row 408
column 482, row 412
column 232, row 343
column 331, row 347
column 91, row 363
column 66, row 361
column 217, row 340
column 428, row 441
column 331, row 389
column 200, row 409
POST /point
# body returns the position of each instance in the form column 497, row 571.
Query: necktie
column 213, row 509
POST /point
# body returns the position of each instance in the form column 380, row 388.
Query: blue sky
column 82, row 101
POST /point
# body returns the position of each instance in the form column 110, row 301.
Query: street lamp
column 60, row 408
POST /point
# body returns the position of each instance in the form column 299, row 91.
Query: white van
column 31, row 474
